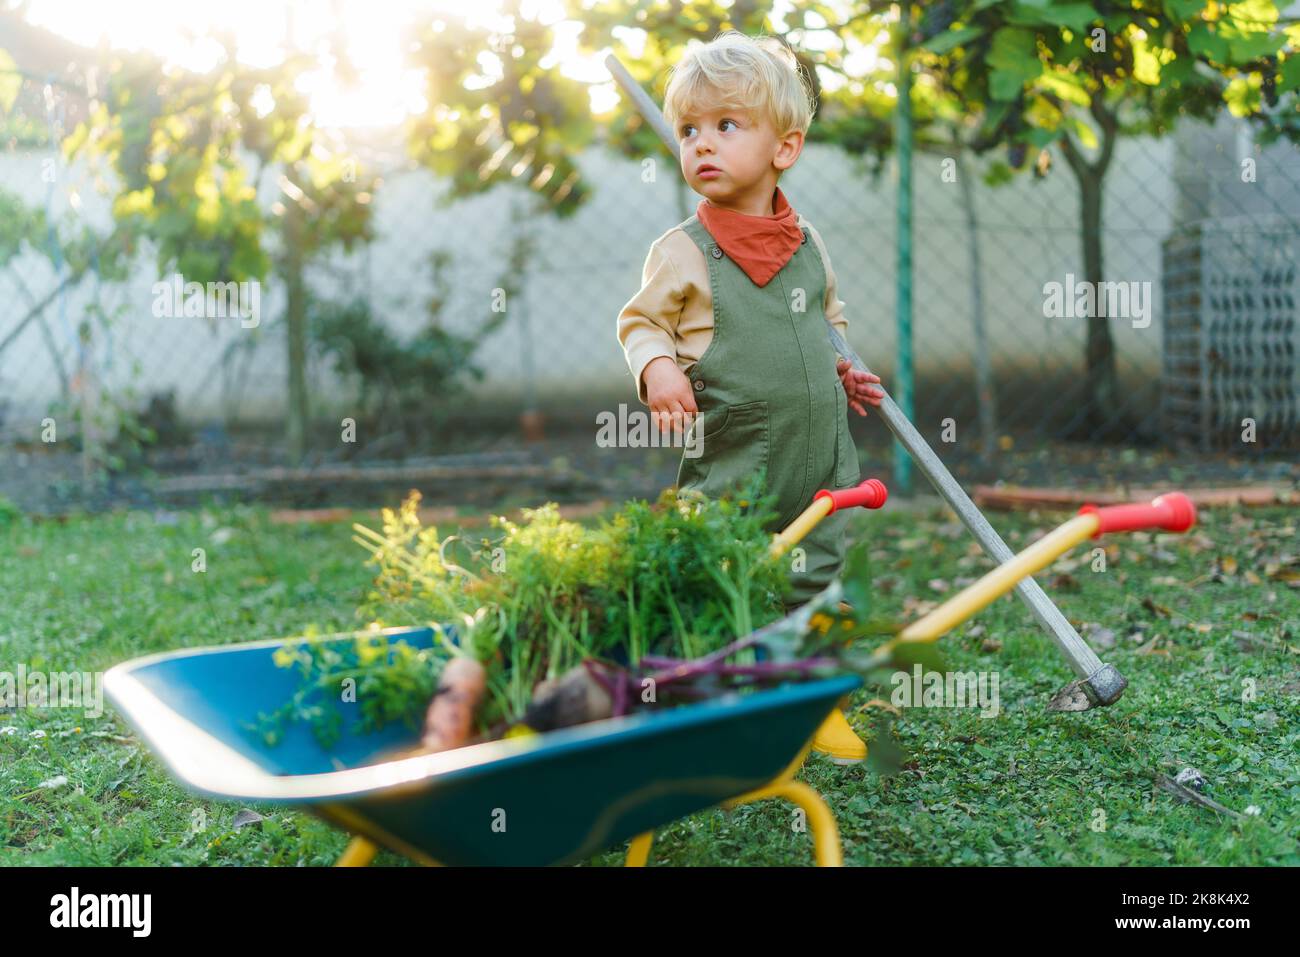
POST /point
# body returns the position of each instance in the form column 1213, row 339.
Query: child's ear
column 788, row 149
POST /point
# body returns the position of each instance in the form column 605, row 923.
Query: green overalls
column 769, row 398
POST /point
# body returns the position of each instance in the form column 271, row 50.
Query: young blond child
column 730, row 322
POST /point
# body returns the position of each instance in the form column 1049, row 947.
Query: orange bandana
column 760, row 245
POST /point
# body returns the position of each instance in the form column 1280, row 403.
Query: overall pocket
column 733, row 446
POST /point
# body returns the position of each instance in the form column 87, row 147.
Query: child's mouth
column 709, row 172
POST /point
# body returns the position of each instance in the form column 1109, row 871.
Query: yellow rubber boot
column 837, row 739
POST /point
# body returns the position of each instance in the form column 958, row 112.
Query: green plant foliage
column 684, row 590
column 680, row 577
column 190, row 149
column 409, row 382
column 497, row 115
column 392, row 682
column 1081, row 73
column 10, row 514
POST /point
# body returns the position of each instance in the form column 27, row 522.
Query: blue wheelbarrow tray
column 544, row 799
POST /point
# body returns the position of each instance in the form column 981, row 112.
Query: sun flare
column 386, row 88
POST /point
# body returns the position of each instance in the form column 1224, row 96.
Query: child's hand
column 669, row 394
column 858, row 386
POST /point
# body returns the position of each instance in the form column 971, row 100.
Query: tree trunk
column 296, row 323
column 1101, row 412
column 985, row 396
column 88, row 396
column 1101, row 386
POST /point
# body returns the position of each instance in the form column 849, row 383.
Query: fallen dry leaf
column 1152, row 647
column 1160, row 611
column 1070, row 698
column 246, row 817
column 1186, row 794
column 882, row 704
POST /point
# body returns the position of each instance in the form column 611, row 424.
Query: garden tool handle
column 869, row 494
column 1173, row 512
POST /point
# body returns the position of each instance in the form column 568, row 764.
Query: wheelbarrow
column 553, row 798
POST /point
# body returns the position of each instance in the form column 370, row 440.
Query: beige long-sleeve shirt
column 672, row 314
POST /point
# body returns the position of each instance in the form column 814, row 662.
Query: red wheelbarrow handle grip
column 870, row 494
column 1173, row 512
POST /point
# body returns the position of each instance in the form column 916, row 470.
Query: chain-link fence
column 1199, row 235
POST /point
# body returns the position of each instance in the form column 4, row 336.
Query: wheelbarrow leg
column 821, row 822
column 359, row 853
column 638, row 852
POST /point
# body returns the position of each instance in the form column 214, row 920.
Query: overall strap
column 695, row 229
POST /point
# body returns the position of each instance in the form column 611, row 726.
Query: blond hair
column 758, row 74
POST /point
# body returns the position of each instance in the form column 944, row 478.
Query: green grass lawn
column 1214, row 616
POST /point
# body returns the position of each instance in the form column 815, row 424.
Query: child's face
column 733, row 157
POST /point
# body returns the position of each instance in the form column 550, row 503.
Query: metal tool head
column 1105, row 686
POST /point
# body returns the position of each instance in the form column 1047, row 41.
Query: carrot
column 449, row 722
